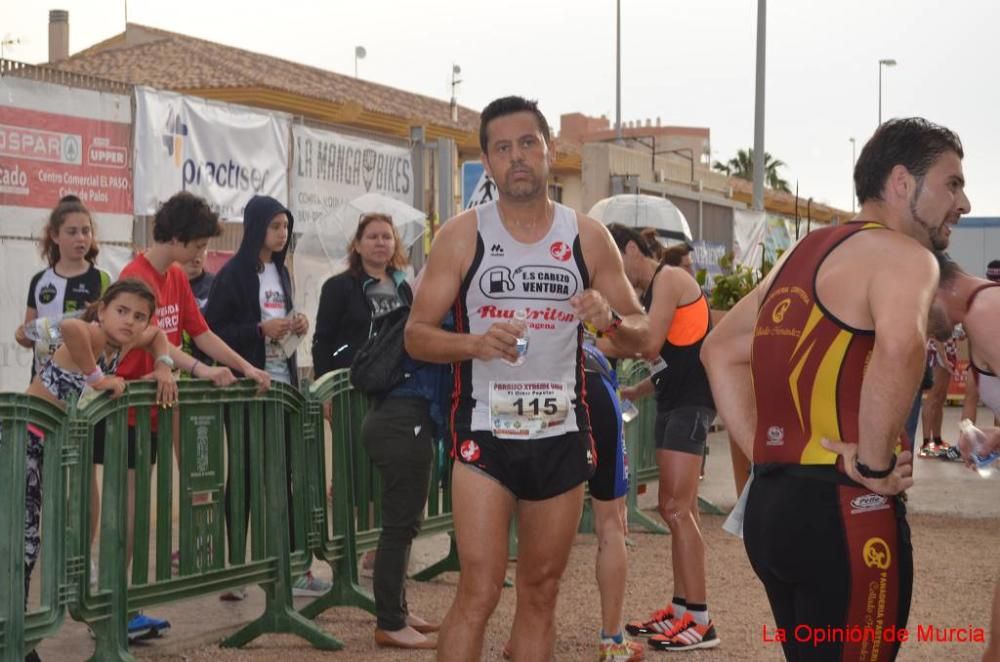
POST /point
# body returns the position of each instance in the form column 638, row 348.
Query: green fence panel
column 201, row 534
column 335, row 520
column 21, row 629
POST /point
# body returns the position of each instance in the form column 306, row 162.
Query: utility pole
column 758, row 119
column 618, row 74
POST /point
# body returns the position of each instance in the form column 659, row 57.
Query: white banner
column 224, row 153
column 330, row 169
column 749, row 233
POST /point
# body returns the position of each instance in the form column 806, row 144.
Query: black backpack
column 378, row 366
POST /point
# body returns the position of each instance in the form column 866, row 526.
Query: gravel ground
column 949, row 591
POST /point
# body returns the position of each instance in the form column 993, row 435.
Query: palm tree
column 742, row 166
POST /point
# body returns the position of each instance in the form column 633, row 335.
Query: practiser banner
column 330, row 169
column 55, row 141
column 224, row 153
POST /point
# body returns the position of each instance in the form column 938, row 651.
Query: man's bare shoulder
column 590, row 228
column 984, row 313
column 457, row 231
column 879, row 251
column 594, row 237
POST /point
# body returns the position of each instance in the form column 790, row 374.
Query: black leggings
column 836, row 562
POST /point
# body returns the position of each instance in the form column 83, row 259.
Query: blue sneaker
column 141, row 626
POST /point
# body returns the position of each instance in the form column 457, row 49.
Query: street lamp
column 882, row 63
column 7, row 41
column 455, row 80
column 853, row 161
column 359, row 54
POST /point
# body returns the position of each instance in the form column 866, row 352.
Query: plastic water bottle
column 46, row 330
column 520, row 321
column 43, row 330
column 629, row 410
column 975, row 438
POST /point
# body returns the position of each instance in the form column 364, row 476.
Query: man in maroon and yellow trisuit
column 814, row 373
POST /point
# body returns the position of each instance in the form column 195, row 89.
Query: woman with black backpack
column 399, row 430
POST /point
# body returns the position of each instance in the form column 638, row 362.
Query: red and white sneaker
column 686, row 635
column 659, row 622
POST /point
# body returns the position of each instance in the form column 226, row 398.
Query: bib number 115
column 536, row 406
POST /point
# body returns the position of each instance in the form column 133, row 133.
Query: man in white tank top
column 975, row 303
column 521, row 434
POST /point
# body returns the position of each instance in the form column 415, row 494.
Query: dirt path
column 948, row 592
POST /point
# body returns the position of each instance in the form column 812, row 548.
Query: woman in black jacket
column 372, row 286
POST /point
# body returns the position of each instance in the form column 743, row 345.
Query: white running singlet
column 542, row 397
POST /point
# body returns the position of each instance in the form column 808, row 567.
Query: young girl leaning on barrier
column 92, row 345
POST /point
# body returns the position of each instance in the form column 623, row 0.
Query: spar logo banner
column 330, row 169
column 224, row 153
column 56, row 141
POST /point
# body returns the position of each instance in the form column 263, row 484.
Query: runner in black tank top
column 678, row 321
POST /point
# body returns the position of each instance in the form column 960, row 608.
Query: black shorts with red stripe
column 534, row 469
column 835, row 559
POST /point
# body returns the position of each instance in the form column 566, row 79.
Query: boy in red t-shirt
column 181, row 229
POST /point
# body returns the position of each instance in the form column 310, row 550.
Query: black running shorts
column 534, row 469
column 683, row 429
column 835, row 560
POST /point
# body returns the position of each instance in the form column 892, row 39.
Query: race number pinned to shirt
column 524, row 410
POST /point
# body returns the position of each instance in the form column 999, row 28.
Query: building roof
column 784, row 203
column 167, row 60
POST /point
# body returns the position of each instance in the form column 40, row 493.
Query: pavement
column 942, row 488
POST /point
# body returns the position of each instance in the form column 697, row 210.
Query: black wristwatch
column 868, row 472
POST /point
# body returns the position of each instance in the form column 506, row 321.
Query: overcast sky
column 690, row 63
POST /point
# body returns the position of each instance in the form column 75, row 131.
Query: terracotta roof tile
column 172, row 61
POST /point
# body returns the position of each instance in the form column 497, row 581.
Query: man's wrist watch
column 868, row 472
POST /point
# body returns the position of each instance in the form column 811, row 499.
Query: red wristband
column 616, row 321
